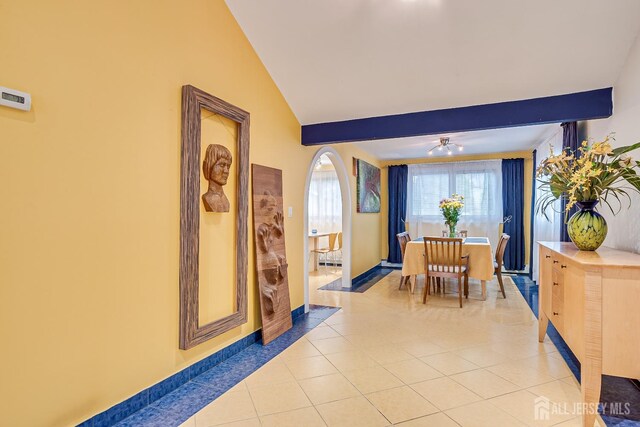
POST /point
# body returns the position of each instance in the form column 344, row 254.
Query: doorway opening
column 327, row 223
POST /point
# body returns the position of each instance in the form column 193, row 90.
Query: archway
column 343, row 179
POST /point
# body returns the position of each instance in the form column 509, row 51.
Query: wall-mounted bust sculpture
column 215, row 167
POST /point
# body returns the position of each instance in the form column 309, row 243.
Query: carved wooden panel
column 271, row 257
column 193, row 101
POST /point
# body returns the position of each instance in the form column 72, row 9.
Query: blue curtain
column 569, row 142
column 513, row 205
column 397, row 209
column 533, row 213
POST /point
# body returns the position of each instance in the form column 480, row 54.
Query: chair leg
column 426, row 289
column 326, row 263
column 460, row 289
column 466, row 286
column 499, row 274
column 404, row 280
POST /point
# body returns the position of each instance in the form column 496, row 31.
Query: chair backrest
column 339, row 248
column 443, row 256
column 502, row 245
column 332, row 240
column 461, row 233
column 403, row 239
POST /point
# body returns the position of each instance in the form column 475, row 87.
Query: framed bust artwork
column 214, row 205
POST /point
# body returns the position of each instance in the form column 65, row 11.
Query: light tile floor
column 387, row 359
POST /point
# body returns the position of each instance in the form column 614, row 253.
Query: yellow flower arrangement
column 591, row 174
column 451, row 208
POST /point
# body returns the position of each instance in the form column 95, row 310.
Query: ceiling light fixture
column 444, row 143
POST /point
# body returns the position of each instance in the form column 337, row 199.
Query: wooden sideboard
column 592, row 299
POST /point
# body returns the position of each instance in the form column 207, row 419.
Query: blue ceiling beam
column 594, row 104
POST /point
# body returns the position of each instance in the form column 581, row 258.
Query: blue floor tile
column 177, row 406
column 362, row 284
column 151, row 417
column 187, row 400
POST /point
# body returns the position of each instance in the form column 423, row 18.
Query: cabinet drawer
column 573, row 308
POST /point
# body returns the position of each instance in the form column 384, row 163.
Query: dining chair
column 403, row 239
column 338, row 249
column 461, row 233
column 326, row 251
column 497, row 264
column 444, row 259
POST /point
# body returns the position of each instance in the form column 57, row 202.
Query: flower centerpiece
column 584, row 178
column 451, row 208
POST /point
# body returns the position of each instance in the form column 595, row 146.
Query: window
column 479, row 182
column 325, row 202
column 430, row 188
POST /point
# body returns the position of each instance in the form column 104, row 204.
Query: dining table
column 315, row 237
column 480, row 264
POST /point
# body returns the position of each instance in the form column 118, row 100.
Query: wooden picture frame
column 193, row 101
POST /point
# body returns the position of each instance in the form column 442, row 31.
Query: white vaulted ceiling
column 343, row 59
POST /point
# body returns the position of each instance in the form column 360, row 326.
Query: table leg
column 591, row 363
column 543, row 322
column 315, row 254
column 591, row 382
column 484, row 289
column 412, row 282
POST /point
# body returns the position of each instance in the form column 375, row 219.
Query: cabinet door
column 544, row 284
column 573, row 334
column 557, row 314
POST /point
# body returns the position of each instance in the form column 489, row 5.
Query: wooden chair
column 326, row 251
column 462, row 233
column 443, row 259
column 497, row 264
column 403, row 239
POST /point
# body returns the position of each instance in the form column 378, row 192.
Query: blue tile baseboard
column 195, row 386
column 362, row 282
column 614, row 389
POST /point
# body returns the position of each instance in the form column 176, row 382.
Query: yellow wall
column 365, row 227
column 90, row 220
column 528, row 171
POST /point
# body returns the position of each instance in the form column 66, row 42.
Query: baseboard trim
column 363, row 277
column 146, row 397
